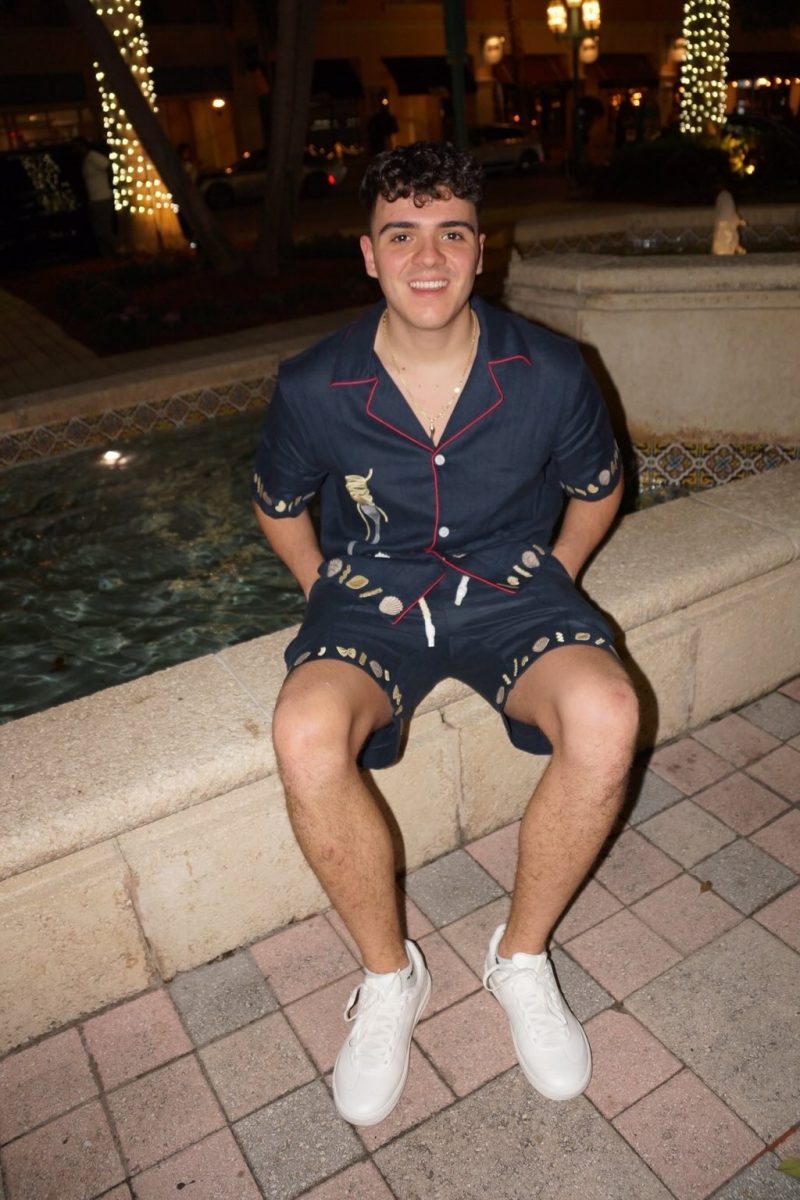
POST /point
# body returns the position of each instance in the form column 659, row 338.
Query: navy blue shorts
column 463, row 630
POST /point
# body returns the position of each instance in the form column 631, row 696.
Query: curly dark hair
column 425, row 170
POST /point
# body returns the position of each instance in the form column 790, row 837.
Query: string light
column 706, row 25
column 137, row 186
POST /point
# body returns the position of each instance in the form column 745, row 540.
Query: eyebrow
column 415, row 225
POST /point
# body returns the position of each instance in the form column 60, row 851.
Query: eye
column 454, row 235
column 400, row 237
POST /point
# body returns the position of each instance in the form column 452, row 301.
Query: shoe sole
column 391, row 1103
column 543, row 1091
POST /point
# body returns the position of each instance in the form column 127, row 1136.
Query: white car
column 246, row 179
column 506, row 148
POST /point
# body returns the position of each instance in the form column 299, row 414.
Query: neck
column 429, row 347
column 427, row 385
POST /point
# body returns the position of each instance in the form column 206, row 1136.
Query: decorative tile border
column 696, row 465
column 657, row 465
column 125, row 424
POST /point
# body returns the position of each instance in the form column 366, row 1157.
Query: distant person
column 191, row 166
column 96, row 170
column 381, row 127
column 188, row 159
column 625, row 128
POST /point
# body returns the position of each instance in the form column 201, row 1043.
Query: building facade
column 213, row 64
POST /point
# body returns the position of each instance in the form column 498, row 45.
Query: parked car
column 246, row 178
column 506, row 148
column 43, row 213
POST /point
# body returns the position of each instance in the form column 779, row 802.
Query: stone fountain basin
column 696, row 347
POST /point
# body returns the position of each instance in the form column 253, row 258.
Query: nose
column 429, row 250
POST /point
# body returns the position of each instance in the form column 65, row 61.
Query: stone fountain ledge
column 144, row 830
column 694, row 348
column 131, row 394
column 603, row 221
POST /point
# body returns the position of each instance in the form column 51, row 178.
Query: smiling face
column 425, row 259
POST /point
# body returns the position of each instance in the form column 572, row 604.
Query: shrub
column 673, row 168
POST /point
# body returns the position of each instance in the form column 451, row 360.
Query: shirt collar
column 355, row 360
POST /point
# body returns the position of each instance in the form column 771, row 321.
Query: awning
column 53, row 90
column 336, row 78
column 191, row 81
column 771, row 64
column 538, row 70
column 623, row 70
column 424, row 73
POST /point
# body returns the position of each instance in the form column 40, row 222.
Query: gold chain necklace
column 431, row 419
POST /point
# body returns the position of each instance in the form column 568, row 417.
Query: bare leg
column 324, row 713
column 583, row 700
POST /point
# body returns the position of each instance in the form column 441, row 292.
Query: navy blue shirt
column 397, row 512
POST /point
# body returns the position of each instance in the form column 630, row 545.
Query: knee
column 603, row 724
column 303, row 732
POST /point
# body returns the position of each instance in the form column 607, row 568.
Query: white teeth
column 429, row 284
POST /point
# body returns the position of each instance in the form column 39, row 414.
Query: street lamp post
column 578, row 21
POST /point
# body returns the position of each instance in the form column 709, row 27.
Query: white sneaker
column 372, row 1066
column 552, row 1049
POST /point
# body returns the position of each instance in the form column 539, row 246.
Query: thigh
column 364, row 663
column 337, row 688
column 503, row 638
column 569, row 689
column 328, row 704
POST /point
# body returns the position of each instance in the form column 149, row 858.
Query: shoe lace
column 376, row 1015
column 536, row 992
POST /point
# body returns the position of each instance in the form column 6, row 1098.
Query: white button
column 444, row 531
column 439, row 460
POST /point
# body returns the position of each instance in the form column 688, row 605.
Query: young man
column 443, row 435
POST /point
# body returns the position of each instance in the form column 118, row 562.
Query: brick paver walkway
column 34, row 352
column 681, row 956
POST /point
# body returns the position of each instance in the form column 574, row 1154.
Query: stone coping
column 85, row 772
column 732, row 281
column 539, row 229
column 125, row 380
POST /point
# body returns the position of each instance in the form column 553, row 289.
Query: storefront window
column 20, row 129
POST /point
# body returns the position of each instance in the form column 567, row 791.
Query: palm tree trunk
column 290, row 104
column 517, row 59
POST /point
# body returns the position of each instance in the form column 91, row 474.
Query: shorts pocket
column 555, row 562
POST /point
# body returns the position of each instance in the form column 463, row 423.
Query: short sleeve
column 285, row 476
column 586, row 457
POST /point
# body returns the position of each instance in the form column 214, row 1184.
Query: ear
column 481, row 244
column 369, row 255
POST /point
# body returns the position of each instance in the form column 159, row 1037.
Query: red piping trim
column 495, row 362
column 463, row 571
column 388, row 425
column 421, row 596
column 432, row 542
column 373, row 379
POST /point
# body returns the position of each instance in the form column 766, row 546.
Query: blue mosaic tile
column 657, row 465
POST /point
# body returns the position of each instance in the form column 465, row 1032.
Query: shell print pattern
column 603, row 479
column 369, row 511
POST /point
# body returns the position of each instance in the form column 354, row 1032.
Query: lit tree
column 142, row 154
column 706, row 30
